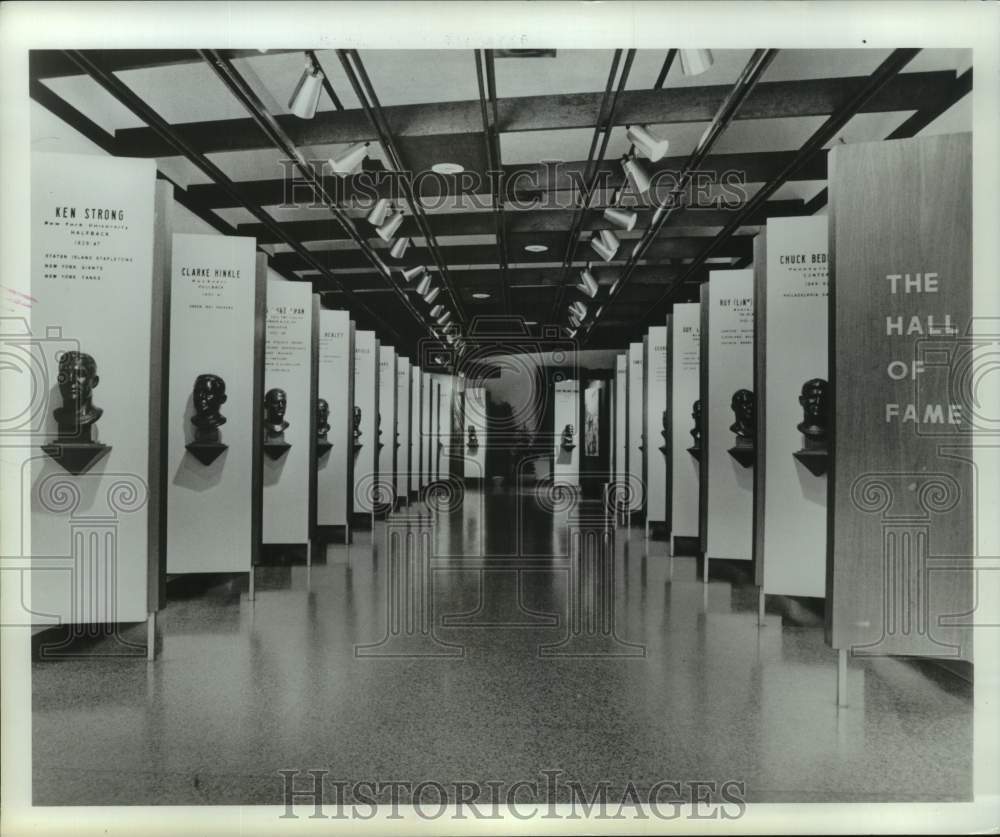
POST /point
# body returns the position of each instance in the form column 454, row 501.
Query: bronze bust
column 322, row 418
column 275, row 404
column 743, row 408
column 77, row 379
column 567, row 437
column 696, row 429
column 814, row 409
column 473, row 442
column 208, row 397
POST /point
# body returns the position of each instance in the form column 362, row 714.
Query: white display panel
column 730, row 368
column 336, row 387
column 636, row 421
column 365, row 399
column 387, row 411
column 685, row 353
column 427, row 422
column 404, row 420
column 621, row 417
column 212, row 323
column 443, row 443
column 657, row 381
column 566, row 414
column 475, row 419
column 793, row 329
column 416, row 427
column 288, row 365
column 92, row 292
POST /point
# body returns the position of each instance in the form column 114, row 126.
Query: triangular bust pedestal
column 815, row 461
column 76, row 457
column 206, row 452
column 746, row 456
column 323, row 448
column 276, row 450
column 695, row 452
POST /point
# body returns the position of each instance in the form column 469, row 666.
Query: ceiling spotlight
column 397, row 249
column 444, row 318
column 695, row 61
column 305, row 96
column 602, row 250
column 621, row 217
column 636, row 174
column 412, row 273
column 578, row 308
column 432, row 295
column 379, row 212
column 387, row 231
column 425, row 285
column 651, row 147
column 447, row 168
column 605, row 244
column 480, row 296
column 588, row 284
column 349, row 160
column 536, row 248
column 574, row 320
column 437, row 311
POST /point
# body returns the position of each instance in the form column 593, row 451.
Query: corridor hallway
column 687, row 687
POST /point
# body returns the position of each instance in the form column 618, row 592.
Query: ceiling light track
column 241, row 90
column 602, row 132
column 365, row 92
column 724, row 116
column 124, row 94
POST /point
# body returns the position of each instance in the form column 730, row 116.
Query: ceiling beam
column 54, row 64
column 359, row 189
column 771, row 100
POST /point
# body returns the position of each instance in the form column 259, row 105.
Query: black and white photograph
column 543, row 417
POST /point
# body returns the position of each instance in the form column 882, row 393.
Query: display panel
column 211, row 412
column 729, row 414
column 427, row 392
column 403, row 405
column 657, row 455
column 443, row 445
column 904, row 401
column 365, row 410
column 474, row 441
column 621, row 417
column 288, row 412
column 567, row 433
column 416, row 428
column 791, row 371
column 336, row 387
column 685, row 351
column 387, row 424
column 92, row 225
column 636, row 423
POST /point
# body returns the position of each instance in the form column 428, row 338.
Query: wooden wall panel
column 902, row 484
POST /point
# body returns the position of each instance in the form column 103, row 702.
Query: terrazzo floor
column 501, row 664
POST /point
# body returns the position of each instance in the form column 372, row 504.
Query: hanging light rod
column 125, row 95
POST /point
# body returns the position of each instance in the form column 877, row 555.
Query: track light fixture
column 387, row 230
column 399, row 247
column 588, row 284
column 444, row 319
column 622, row 218
column 636, row 174
column 349, row 160
column 437, row 311
column 425, row 285
column 412, row 273
column 651, row 147
column 605, row 244
column 430, row 297
column 379, row 212
column 305, row 96
column 695, row 61
column 579, row 309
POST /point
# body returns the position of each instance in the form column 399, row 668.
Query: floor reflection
column 516, row 647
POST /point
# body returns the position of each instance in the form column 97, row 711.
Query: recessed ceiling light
column 536, row 248
column 447, row 168
column 480, row 296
